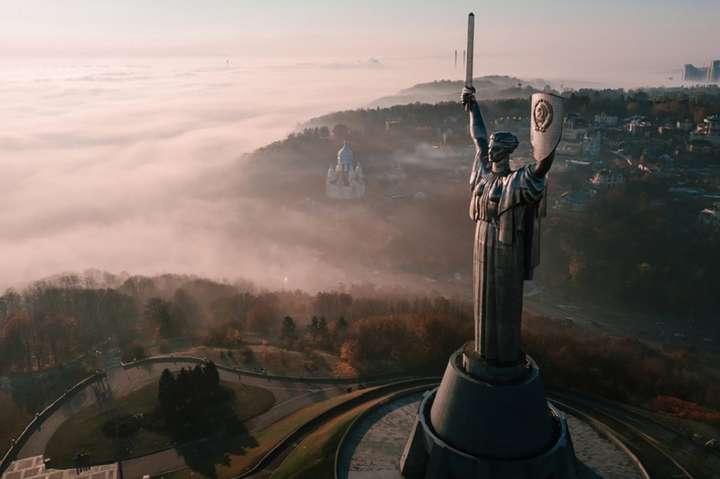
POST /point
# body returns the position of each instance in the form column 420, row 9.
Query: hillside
column 492, row 87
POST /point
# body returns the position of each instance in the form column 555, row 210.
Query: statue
column 507, row 206
column 489, row 418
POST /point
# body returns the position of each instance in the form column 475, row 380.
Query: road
column 290, row 396
column 663, row 452
column 265, row 468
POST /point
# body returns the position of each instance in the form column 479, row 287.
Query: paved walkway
column 34, row 467
column 373, row 448
column 290, row 396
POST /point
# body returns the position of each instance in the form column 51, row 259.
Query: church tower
column 346, row 180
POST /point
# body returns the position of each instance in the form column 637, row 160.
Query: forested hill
column 439, row 116
column 492, row 87
column 413, row 220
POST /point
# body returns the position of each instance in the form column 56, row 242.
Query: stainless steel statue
column 489, row 417
column 507, row 206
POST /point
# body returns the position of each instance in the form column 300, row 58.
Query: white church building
column 345, row 180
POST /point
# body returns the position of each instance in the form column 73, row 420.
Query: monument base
column 472, row 428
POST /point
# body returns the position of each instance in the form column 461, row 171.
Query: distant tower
column 345, row 181
column 455, row 58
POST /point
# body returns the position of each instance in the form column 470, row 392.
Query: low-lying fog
column 114, row 164
column 111, row 164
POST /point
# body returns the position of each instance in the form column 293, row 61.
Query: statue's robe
column 507, row 210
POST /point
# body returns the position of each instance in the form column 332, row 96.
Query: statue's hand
column 467, row 96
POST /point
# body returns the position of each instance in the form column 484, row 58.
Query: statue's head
column 501, row 144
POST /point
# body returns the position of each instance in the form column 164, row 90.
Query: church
column 345, row 181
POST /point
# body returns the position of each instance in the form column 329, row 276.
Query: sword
column 470, row 44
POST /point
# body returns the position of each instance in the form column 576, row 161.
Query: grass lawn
column 234, row 464
column 83, row 431
column 314, row 458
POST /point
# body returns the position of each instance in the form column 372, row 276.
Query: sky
column 124, row 124
column 543, row 37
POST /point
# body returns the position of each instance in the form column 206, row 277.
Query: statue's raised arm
column 478, row 133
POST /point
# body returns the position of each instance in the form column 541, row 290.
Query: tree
column 323, row 333
column 340, row 330
column 341, row 132
column 167, row 393
column 15, row 339
column 212, row 376
column 263, row 315
column 157, row 310
column 185, row 310
column 133, row 352
column 313, row 328
column 289, row 330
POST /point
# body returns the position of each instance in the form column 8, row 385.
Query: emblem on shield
column 542, row 115
column 546, row 123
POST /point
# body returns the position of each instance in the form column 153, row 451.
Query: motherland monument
column 489, row 418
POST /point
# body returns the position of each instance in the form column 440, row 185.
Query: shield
column 546, row 123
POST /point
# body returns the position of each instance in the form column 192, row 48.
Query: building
column 705, row 74
column 604, row 120
column 35, row 467
column 575, row 128
column 345, row 181
column 710, row 217
column 639, row 127
column 592, row 144
column 685, row 125
column 711, row 126
column 607, row 179
column 707, row 136
column 714, row 72
column 692, row 73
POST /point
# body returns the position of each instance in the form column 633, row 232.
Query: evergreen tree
column 322, row 331
column 314, row 328
column 341, row 327
column 212, row 376
column 158, row 310
column 167, row 393
column 289, row 330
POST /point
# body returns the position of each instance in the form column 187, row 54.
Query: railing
column 259, row 374
column 40, row 417
column 342, row 443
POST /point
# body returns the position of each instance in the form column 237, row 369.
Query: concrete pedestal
column 471, row 428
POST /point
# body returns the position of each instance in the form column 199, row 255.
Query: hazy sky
column 547, row 37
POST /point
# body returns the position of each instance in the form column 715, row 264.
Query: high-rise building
column 695, row 74
column 714, row 72
column 709, row 74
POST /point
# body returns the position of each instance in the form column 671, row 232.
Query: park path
column 290, row 396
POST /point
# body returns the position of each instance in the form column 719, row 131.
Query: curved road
column 663, row 452
column 290, row 396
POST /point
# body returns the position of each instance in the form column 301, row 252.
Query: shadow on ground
column 224, row 434
column 204, row 456
column 584, row 472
